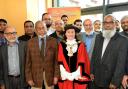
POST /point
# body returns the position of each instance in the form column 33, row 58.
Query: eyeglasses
column 10, row 33
column 124, row 22
column 111, row 22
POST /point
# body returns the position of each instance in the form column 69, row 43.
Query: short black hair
column 77, row 20
column 3, row 20
column 64, row 16
column 44, row 14
column 27, row 21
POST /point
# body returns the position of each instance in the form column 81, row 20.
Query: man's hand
column 111, row 86
column 31, row 83
column 55, row 80
column 124, row 81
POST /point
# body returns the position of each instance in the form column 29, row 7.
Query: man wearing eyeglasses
column 12, row 56
column 109, row 56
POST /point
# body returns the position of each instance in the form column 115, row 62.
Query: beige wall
column 17, row 11
column 14, row 11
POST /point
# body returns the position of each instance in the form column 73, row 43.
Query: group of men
column 31, row 60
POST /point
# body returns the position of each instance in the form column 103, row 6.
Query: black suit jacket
column 26, row 37
column 109, row 68
column 4, row 64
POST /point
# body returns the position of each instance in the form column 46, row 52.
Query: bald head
column 87, row 24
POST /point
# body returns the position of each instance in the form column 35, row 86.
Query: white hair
column 124, row 17
column 110, row 15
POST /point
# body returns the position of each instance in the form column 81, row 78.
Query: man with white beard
column 109, row 56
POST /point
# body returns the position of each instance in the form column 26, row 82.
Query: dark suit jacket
column 125, row 34
column 35, row 64
column 109, row 68
column 4, row 64
column 26, row 37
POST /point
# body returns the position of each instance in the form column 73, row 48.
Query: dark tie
column 42, row 47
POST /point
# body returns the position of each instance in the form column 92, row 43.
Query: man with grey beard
column 124, row 25
column 109, row 56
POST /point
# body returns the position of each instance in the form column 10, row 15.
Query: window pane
column 93, row 17
column 118, row 15
column 117, row 1
column 80, row 3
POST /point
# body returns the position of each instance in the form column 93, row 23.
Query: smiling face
column 10, row 34
column 70, row 34
column 59, row 25
column 97, row 25
column 124, row 23
column 88, row 25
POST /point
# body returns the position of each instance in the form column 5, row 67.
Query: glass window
column 93, row 17
column 117, row 1
column 80, row 3
column 118, row 15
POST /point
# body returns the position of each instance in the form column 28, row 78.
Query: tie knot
column 42, row 38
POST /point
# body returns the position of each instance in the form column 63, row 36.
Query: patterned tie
column 42, row 48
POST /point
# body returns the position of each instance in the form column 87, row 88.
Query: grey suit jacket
column 4, row 64
column 109, row 68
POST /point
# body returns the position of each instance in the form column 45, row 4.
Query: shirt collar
column 15, row 43
column 90, row 34
column 39, row 37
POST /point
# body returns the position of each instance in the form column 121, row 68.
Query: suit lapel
column 47, row 44
column 20, row 55
column 107, row 50
column 100, row 45
column 109, row 47
column 5, row 58
column 36, row 44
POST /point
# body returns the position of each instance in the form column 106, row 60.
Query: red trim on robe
column 82, row 58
